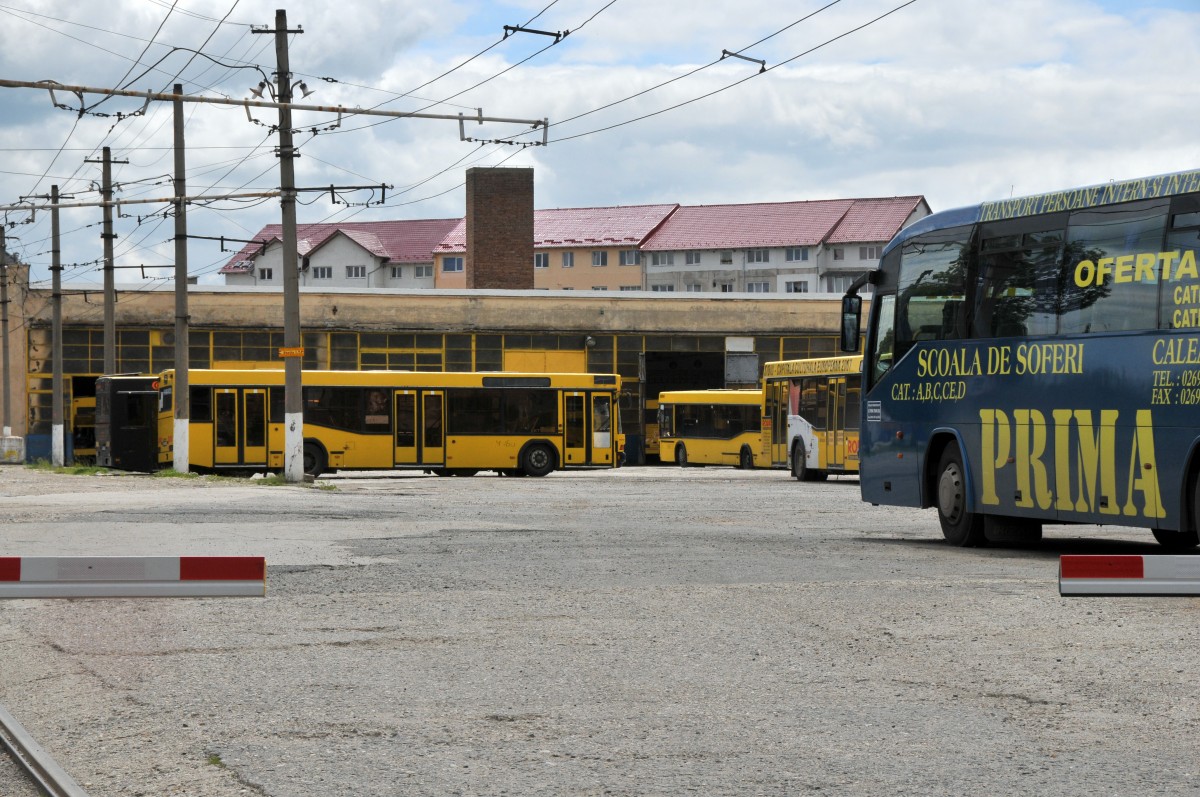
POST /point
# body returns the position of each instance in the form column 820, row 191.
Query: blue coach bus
column 1037, row 360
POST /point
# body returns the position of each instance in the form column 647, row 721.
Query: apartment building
column 780, row 247
column 355, row 254
column 813, row 247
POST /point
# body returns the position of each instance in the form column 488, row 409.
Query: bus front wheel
column 799, row 462
column 959, row 525
column 538, row 460
column 681, row 455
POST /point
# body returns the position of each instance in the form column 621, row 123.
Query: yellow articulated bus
column 811, row 415
column 457, row 424
column 711, row 427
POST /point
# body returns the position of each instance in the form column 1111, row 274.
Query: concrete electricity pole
column 293, row 344
column 181, row 394
column 6, row 390
column 57, row 443
column 110, row 292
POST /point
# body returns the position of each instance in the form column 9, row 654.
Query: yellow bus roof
column 711, row 396
column 433, row 379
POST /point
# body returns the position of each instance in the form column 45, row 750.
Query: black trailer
column 127, row 422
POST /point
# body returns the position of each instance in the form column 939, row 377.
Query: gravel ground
column 647, row 631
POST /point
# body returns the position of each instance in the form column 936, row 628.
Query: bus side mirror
column 851, row 322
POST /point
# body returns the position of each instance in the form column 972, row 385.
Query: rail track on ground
column 43, row 772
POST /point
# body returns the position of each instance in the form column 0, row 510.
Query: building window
column 266, row 273
column 631, row 287
column 758, row 287
column 691, row 258
column 796, row 253
column 599, row 287
column 600, row 258
column 758, row 255
column 726, row 256
column 869, row 252
column 397, row 272
column 726, row 287
column 799, row 286
column 662, row 259
column 541, row 260
column 663, row 288
column 356, row 272
column 839, row 283
column 629, row 257
column 839, row 254
column 322, row 272
column 423, row 271
column 694, row 287
column 452, row 264
column 568, row 259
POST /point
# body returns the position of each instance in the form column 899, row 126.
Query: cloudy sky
column 957, row 100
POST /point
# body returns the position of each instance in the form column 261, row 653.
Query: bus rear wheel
column 314, row 460
column 959, row 525
column 538, row 460
column 1189, row 538
column 746, row 459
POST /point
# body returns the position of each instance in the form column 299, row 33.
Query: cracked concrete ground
column 636, row 632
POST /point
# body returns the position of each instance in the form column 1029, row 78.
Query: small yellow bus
column 458, row 423
column 811, row 411
column 711, row 427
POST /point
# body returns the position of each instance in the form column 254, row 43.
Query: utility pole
column 293, row 351
column 110, row 292
column 181, row 393
column 6, row 390
column 57, row 444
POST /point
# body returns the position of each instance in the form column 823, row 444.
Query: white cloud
column 958, row 101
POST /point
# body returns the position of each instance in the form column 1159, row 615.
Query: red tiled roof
column 771, row 224
column 410, row 241
column 625, row 225
column 875, row 219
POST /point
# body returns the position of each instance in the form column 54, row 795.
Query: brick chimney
column 499, row 225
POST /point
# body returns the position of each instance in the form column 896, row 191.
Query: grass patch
column 70, row 470
column 215, row 760
column 171, row 473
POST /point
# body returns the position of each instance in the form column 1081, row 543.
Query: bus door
column 602, row 429
column 254, row 426
column 575, row 430
column 405, row 430
column 775, row 420
column 432, row 443
column 835, row 427
column 240, row 426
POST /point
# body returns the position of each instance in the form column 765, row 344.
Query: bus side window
column 201, row 405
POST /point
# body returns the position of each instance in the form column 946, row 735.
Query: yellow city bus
column 711, row 427
column 455, row 423
column 811, row 415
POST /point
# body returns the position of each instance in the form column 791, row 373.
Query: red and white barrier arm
column 132, row 576
column 1128, row 575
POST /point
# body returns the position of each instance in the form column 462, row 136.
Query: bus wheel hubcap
column 950, row 494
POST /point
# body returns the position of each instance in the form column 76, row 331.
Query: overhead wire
column 737, row 82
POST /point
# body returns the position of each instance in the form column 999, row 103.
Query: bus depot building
column 654, row 341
